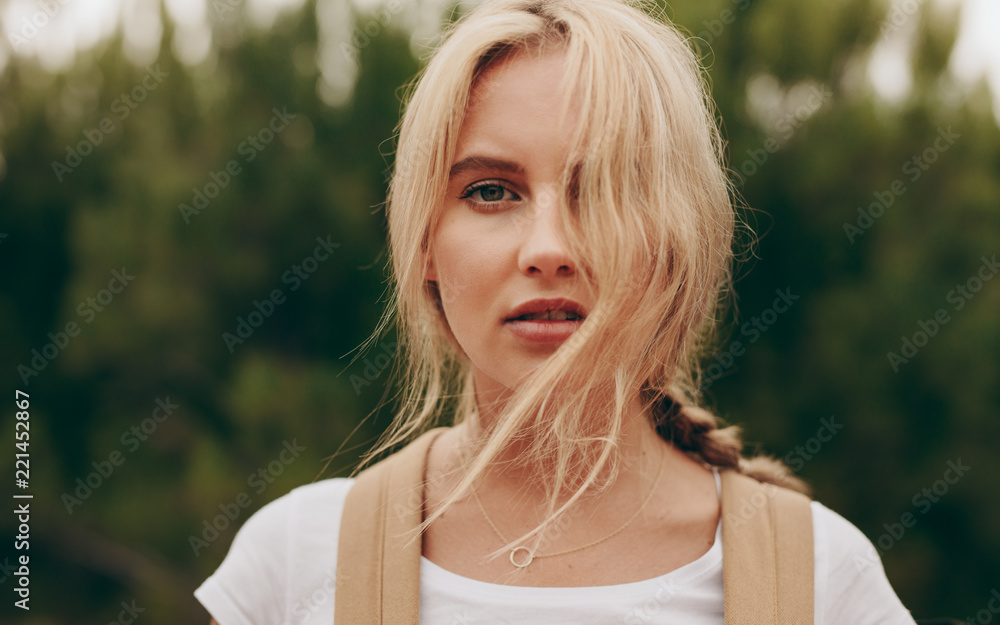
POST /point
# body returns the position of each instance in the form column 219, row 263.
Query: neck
column 641, row 452
column 516, row 490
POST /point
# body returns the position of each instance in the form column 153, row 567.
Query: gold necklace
column 529, row 555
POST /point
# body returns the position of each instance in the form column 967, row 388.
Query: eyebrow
column 484, row 162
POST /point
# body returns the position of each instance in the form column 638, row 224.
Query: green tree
column 248, row 211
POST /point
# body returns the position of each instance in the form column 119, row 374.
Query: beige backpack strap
column 766, row 580
column 767, row 553
column 378, row 566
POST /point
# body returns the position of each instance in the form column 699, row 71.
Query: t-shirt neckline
column 709, row 561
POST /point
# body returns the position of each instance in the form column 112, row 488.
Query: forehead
column 537, row 71
column 516, row 104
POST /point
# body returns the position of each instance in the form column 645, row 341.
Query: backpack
column 765, row 580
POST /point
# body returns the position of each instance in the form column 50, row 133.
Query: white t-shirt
column 282, row 565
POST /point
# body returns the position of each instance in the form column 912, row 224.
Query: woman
column 561, row 232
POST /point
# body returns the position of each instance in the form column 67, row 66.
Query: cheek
column 470, row 270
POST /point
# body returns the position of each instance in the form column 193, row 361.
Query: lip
column 544, row 330
column 545, row 305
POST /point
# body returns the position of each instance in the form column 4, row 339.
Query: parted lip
column 545, row 305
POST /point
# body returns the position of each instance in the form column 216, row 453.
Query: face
column 499, row 250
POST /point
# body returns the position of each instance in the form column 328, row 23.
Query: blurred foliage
column 810, row 143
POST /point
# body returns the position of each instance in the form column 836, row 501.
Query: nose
column 543, row 252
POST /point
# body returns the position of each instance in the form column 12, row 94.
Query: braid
column 696, row 431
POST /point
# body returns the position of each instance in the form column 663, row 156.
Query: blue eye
column 490, row 192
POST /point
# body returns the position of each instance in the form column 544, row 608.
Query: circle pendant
column 525, row 561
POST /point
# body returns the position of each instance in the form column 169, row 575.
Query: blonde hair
column 647, row 198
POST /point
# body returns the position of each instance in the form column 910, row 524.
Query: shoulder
column 301, row 507
column 851, row 585
column 305, row 517
column 284, row 552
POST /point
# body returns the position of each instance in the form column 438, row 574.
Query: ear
column 430, row 271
